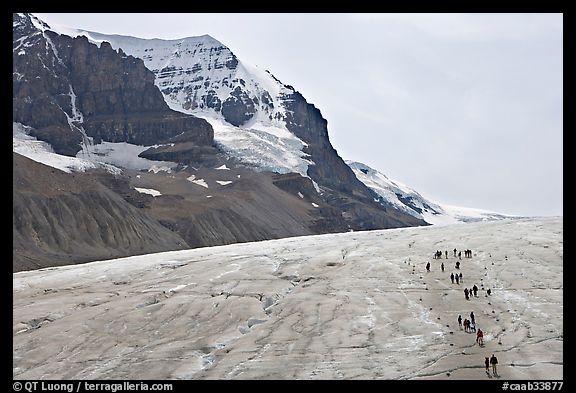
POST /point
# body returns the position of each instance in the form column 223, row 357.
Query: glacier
column 357, row 305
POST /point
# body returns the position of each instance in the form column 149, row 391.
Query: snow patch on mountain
column 266, row 149
column 124, row 155
column 404, row 198
column 200, row 182
column 149, row 191
column 40, row 25
column 39, row 151
column 106, row 155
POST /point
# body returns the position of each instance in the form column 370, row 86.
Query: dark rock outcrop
column 307, row 123
column 187, row 153
column 64, row 87
column 40, row 88
column 238, row 108
column 105, row 82
column 149, row 128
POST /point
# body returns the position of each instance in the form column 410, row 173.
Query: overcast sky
column 464, row 108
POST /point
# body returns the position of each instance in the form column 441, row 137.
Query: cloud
column 473, row 26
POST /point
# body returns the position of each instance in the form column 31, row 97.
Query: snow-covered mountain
column 404, row 198
column 152, row 122
column 256, row 120
column 245, row 105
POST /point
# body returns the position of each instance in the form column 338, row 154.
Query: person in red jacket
column 480, row 337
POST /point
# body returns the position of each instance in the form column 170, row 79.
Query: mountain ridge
column 407, row 199
column 100, row 109
column 260, row 103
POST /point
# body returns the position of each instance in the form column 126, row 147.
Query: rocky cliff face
column 343, row 191
column 307, row 123
column 148, row 128
column 42, row 94
column 69, row 89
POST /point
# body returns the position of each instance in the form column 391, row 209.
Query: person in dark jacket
column 487, row 364
column 494, row 362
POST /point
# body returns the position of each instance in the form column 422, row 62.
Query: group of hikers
column 457, row 277
column 468, row 292
column 467, row 254
column 469, row 325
